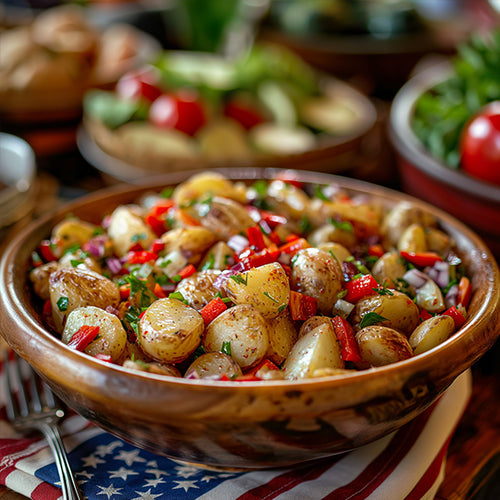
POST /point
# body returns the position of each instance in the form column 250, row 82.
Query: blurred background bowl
column 17, row 179
column 253, row 424
column 474, row 202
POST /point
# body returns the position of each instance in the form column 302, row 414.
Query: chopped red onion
column 114, row 265
column 112, row 310
column 96, row 246
column 451, row 297
column 220, row 281
column 440, row 273
column 416, row 278
column 237, row 243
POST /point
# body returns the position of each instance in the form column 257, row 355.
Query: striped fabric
column 407, row 464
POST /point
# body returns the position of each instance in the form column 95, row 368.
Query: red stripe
column 384, row 464
column 289, row 480
column 45, row 491
column 431, row 474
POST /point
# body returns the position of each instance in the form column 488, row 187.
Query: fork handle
column 68, row 484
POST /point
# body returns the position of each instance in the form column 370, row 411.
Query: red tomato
column 183, row 112
column 480, row 145
column 243, row 114
column 142, row 84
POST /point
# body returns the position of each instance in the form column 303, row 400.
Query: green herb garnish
column 371, row 318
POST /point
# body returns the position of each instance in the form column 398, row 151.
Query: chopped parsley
column 318, row 193
column 344, row 225
column 226, row 348
column 178, row 296
column 271, row 298
column 62, row 303
column 240, row 279
column 371, row 318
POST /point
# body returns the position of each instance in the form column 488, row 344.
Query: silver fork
column 37, row 409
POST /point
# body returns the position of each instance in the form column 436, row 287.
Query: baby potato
column 430, row 297
column 312, row 323
column 71, row 287
column 338, row 250
column 282, row 337
column 223, row 217
column 431, row 332
column 389, row 267
column 111, row 339
column 126, row 228
column 287, row 199
column 380, row 345
column 213, row 364
column 192, row 242
column 331, row 233
column 316, row 350
column 198, row 288
column 39, row 278
column 206, row 183
column 266, row 288
column 217, row 256
column 244, row 329
column 170, row 331
column 399, row 311
column 437, row 240
column 319, row 275
column 80, row 260
column 73, row 231
column 413, row 239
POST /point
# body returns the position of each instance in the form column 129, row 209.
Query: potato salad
column 221, row 280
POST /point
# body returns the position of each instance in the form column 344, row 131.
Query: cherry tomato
column 142, row 84
column 243, row 113
column 480, row 145
column 183, row 111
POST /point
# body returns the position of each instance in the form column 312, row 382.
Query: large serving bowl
column 251, row 424
column 474, row 202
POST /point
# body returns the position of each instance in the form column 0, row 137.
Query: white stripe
column 441, row 423
column 432, row 491
column 22, row 483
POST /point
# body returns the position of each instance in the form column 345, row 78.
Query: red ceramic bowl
column 253, row 424
column 474, row 202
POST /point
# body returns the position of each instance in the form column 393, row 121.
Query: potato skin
column 81, row 288
column 317, row 274
column 112, row 337
column 282, row 337
column 213, row 364
column 245, row 329
column 191, row 242
column 266, row 288
column 400, row 311
column 198, row 288
column 380, row 345
column 389, row 267
column 170, row 331
column 431, row 332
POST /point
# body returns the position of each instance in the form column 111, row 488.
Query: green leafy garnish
column 178, row 296
column 226, row 348
column 240, row 278
column 344, row 225
column 371, row 318
column 62, row 303
column 271, row 298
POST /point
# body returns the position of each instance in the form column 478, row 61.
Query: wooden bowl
column 253, row 424
column 474, row 202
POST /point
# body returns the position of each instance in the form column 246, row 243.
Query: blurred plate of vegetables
column 191, row 110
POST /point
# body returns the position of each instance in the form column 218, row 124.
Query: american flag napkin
column 407, row 464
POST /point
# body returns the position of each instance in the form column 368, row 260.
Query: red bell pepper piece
column 376, row 250
column 289, row 177
column 421, row 259
column 158, row 291
column 141, row 257
column 464, row 291
column 347, row 338
column 292, row 247
column 424, row 315
column 266, row 364
column 360, row 287
column 157, row 246
column 262, row 258
column 124, row 291
column 256, row 238
column 215, row 307
column 271, row 219
column 456, row 315
column 302, row 306
column 47, row 308
column 187, row 271
column 83, row 337
column 47, row 250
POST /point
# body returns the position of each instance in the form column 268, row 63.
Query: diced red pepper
column 83, row 337
column 421, row 259
column 124, row 291
column 256, row 238
column 360, row 287
column 187, row 271
column 273, row 236
column 292, row 237
column 302, row 306
column 136, row 247
column 271, row 219
column 162, row 206
column 157, row 246
column 46, row 249
column 155, row 218
column 225, row 378
column 424, row 315
column 464, row 291
column 215, row 307
column 266, row 364
column 456, row 315
column 141, row 257
column 292, row 247
column 262, row 258
column 347, row 338
column 247, row 377
column 376, row 250
column 158, row 291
